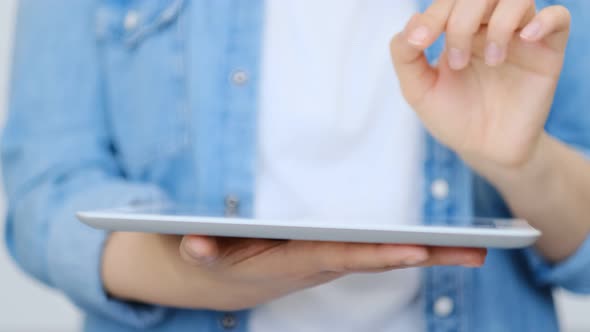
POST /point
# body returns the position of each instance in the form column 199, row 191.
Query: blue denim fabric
column 116, row 102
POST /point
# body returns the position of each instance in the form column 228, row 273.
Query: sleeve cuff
column 75, row 253
column 571, row 274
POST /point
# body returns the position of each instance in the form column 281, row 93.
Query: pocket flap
column 132, row 21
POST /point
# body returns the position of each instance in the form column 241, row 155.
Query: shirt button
column 443, row 306
column 229, row 321
column 439, row 189
column 239, row 77
column 231, row 205
column 131, row 20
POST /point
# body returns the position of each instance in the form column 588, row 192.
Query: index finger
column 407, row 50
column 445, row 256
column 318, row 256
column 423, row 29
column 467, row 257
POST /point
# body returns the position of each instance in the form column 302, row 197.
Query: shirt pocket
column 141, row 47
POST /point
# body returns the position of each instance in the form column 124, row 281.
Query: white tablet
column 477, row 232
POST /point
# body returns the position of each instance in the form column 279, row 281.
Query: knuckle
column 459, row 32
column 416, row 18
column 395, row 43
column 520, row 3
column 459, row 38
column 459, row 29
column 319, row 256
column 346, row 266
column 429, row 18
column 500, row 30
column 491, row 5
column 346, row 260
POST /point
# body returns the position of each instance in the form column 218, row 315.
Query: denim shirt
column 115, row 102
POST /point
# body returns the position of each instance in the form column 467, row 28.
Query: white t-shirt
column 338, row 139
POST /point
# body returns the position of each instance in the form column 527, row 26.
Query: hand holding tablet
column 228, row 274
column 261, row 260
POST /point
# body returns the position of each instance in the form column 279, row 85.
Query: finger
column 508, row 16
column 468, row 257
column 223, row 252
column 423, row 29
column 464, row 22
column 198, row 250
column 233, row 251
column 552, row 24
column 407, row 49
column 351, row 257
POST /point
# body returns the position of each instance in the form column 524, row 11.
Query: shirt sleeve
column 58, row 157
column 571, row 125
column 571, row 274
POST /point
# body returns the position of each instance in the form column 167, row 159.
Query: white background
column 27, row 306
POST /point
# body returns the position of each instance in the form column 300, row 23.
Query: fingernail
column 415, row 259
column 418, row 36
column 457, row 58
column 531, row 31
column 494, row 54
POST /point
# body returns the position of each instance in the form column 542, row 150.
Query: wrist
column 122, row 263
column 137, row 266
column 535, row 165
column 148, row 268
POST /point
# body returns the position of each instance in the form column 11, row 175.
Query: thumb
column 415, row 74
column 198, row 250
column 551, row 24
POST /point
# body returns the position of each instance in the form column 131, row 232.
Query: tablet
column 475, row 232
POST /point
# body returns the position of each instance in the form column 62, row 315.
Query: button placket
column 443, row 306
column 443, row 284
column 232, row 203
column 439, row 189
column 131, row 20
column 239, row 77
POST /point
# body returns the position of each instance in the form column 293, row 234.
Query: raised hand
column 489, row 96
